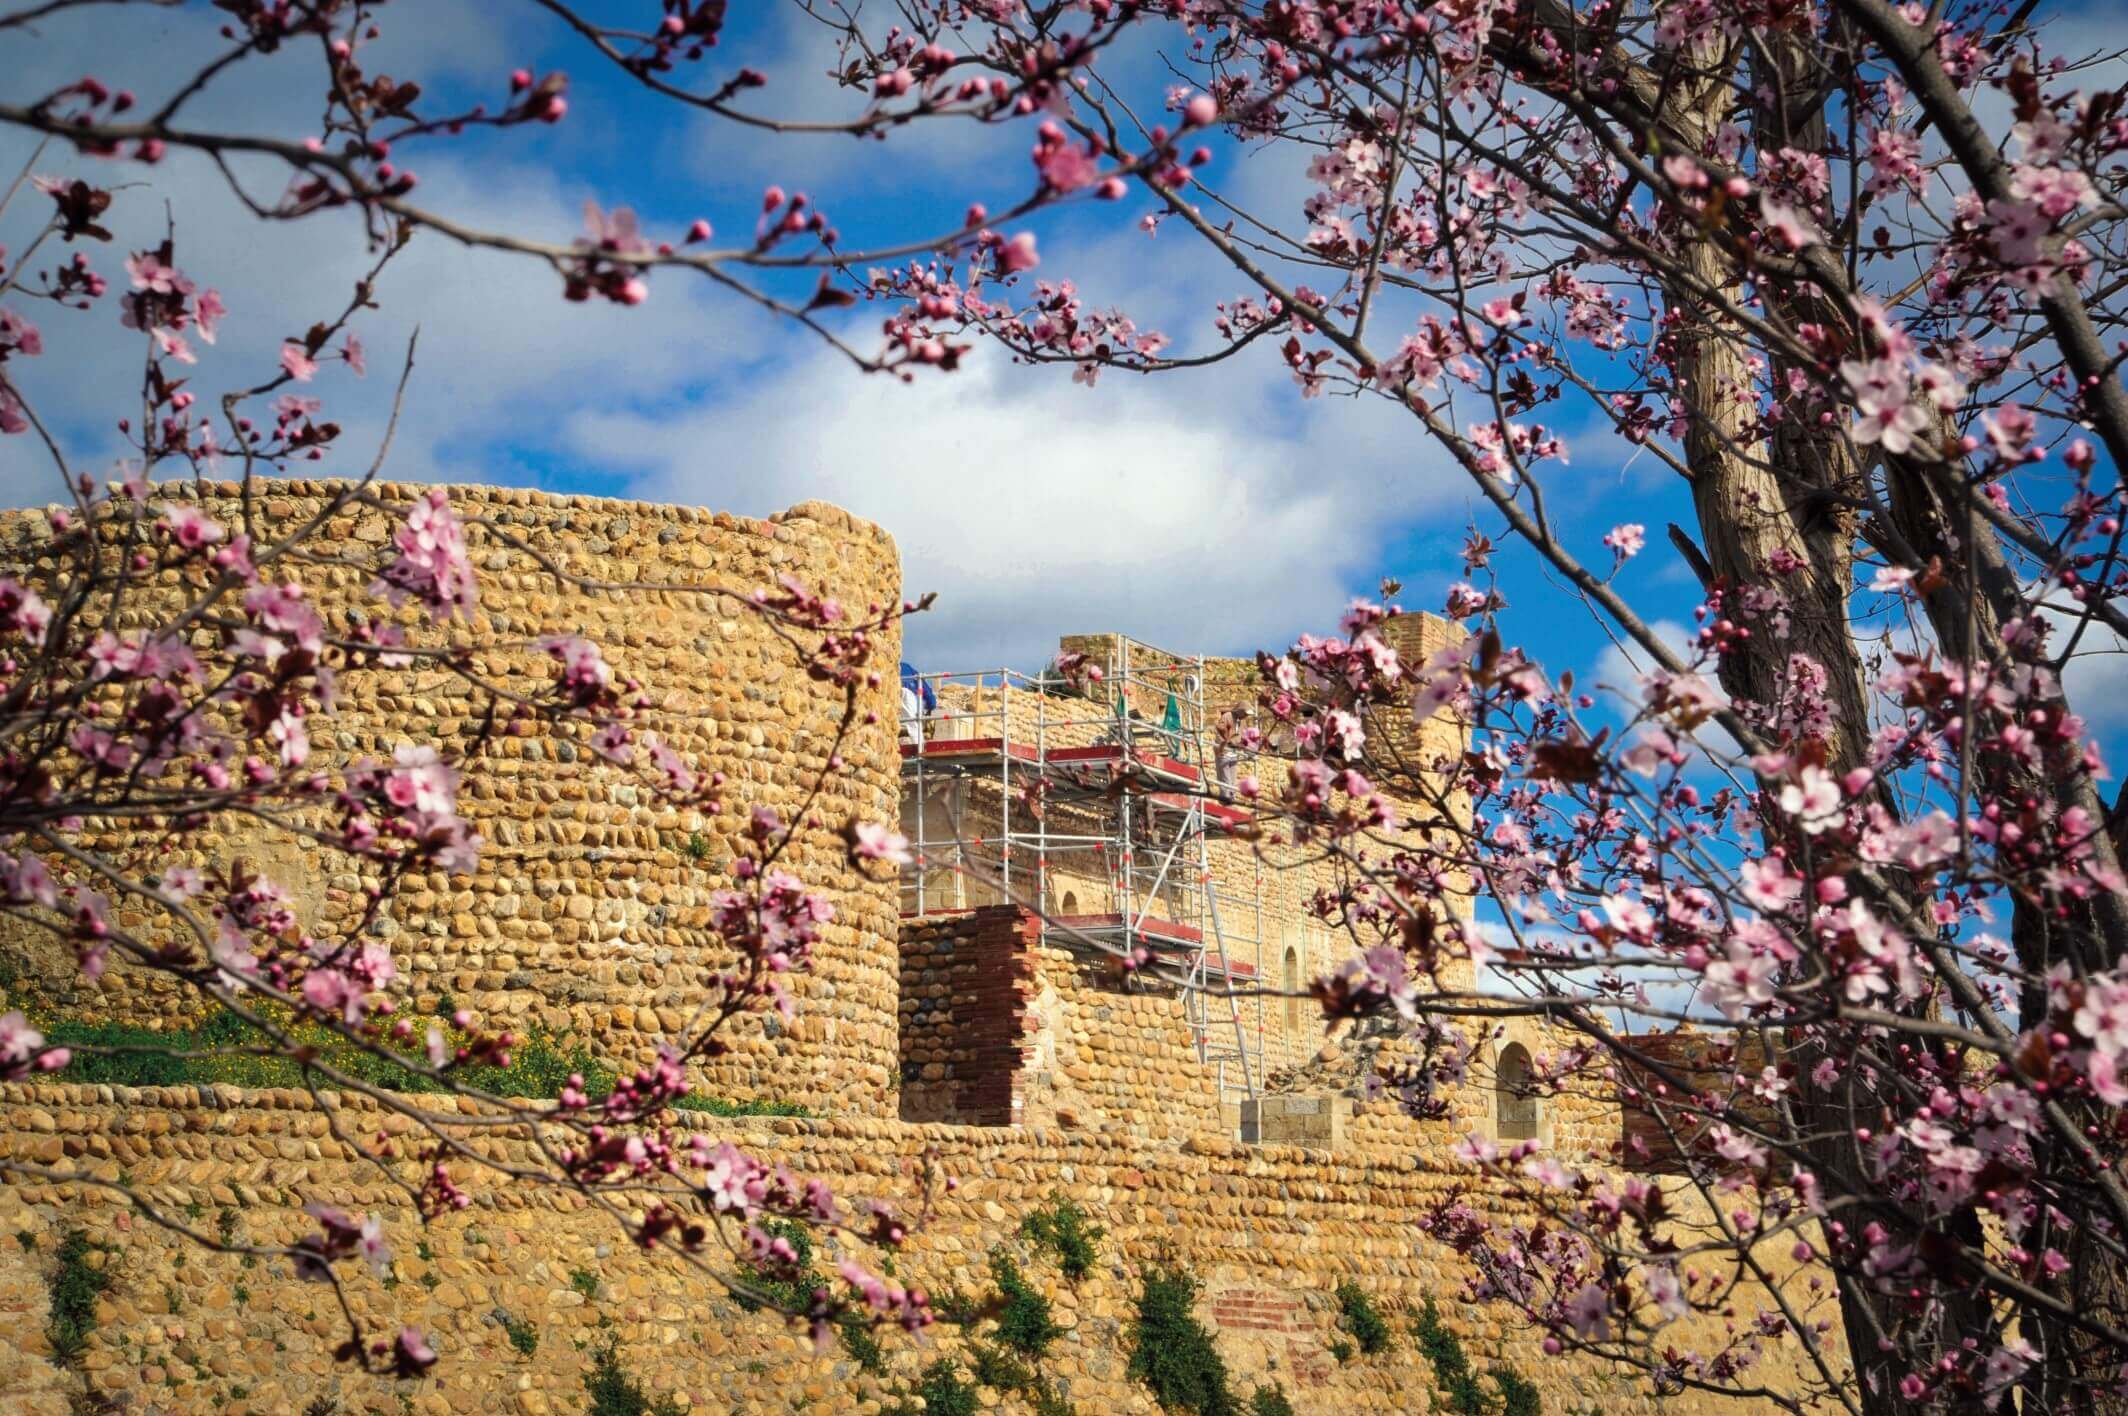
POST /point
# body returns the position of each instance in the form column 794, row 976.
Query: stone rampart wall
column 1270, row 1230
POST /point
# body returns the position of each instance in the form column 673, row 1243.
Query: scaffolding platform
column 978, row 754
column 1092, row 801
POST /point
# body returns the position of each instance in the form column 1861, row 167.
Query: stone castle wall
column 1270, row 1230
column 1026, row 1072
column 589, row 913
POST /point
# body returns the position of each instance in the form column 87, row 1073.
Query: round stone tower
column 589, row 912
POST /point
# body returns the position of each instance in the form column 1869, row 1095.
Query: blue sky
column 1211, row 510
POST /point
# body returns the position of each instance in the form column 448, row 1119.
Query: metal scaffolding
column 1095, row 802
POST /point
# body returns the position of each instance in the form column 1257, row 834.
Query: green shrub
column 718, row 1106
column 614, row 1392
column 116, row 1054
column 584, row 1281
column 1270, row 1401
column 1004, row 1370
column 958, row 1306
column 1171, row 1351
column 1518, row 1394
column 788, row 1289
column 1362, row 1319
column 996, row 1367
column 1451, row 1366
column 857, row 1340
column 1342, row 1349
column 523, row 1335
column 944, row 1393
column 1024, row 1320
column 1065, row 1229
column 75, row 1287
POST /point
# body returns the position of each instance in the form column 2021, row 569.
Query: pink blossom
column 1660, row 1283
column 1626, row 539
column 1629, row 917
column 434, row 567
column 411, row 1352
column 150, row 273
column 734, row 1182
column 1813, row 800
column 285, row 610
column 876, row 842
column 18, row 335
column 208, row 312
column 1739, row 982
column 22, row 1049
column 191, row 528
column 1066, row 167
column 1017, row 253
column 230, row 949
column 298, row 363
column 1789, row 225
column 23, row 611
column 584, row 672
column 1588, row 1312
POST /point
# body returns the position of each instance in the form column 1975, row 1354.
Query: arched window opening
column 1515, row 1101
column 1292, row 991
column 1070, row 906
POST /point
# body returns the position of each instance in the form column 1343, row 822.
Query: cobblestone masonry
column 1271, row 1230
column 590, row 910
column 588, row 916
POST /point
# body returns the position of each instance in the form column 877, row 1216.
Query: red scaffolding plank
column 1229, row 816
column 972, row 747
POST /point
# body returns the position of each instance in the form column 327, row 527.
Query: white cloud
column 1620, row 666
column 1034, row 507
column 1213, row 511
column 2095, row 679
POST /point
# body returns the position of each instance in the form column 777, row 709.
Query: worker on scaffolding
column 918, row 701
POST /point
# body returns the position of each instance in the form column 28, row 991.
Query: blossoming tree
column 1850, row 270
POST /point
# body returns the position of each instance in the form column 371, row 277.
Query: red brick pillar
column 993, row 993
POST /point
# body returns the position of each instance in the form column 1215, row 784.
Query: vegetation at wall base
column 76, row 1284
column 1068, row 1232
column 859, row 1341
column 943, row 1393
column 1171, row 1350
column 522, row 1332
column 614, row 1391
column 1024, row 1321
column 1518, row 1394
column 1455, row 1376
column 1270, row 1401
column 719, row 1106
column 1361, row 1318
column 228, row 1050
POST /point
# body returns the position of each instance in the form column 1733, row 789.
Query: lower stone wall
column 1116, row 1055
column 997, row 1028
column 1270, row 1230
